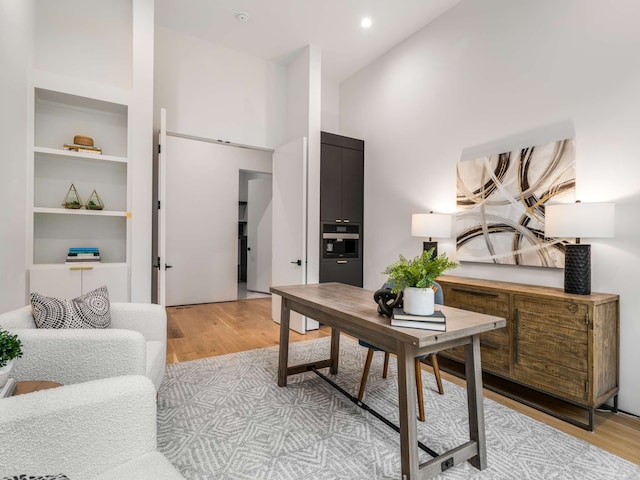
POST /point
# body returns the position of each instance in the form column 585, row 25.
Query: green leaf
column 10, row 347
column 419, row 272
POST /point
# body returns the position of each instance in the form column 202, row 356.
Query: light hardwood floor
column 200, row 331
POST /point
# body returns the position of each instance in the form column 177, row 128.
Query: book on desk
column 437, row 321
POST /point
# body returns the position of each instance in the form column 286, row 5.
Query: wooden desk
column 353, row 311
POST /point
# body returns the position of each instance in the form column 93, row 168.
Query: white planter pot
column 418, row 301
column 4, row 372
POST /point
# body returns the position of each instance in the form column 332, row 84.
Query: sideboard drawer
column 494, row 345
column 490, row 302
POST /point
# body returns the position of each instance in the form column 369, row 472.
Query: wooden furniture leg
column 407, row 411
column 385, row 369
column 475, row 405
column 365, row 373
column 436, row 373
column 283, row 357
column 419, row 390
column 335, row 350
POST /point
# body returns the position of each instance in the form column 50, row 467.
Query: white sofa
column 136, row 344
column 99, row 430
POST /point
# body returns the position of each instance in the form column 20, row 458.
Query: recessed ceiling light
column 366, row 22
column 242, row 16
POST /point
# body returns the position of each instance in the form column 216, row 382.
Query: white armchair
column 136, row 344
column 99, row 430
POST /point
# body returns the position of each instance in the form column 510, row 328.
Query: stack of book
column 83, row 254
column 82, row 148
column 437, row 321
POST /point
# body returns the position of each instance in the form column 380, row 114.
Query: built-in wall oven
column 340, row 241
column 341, row 258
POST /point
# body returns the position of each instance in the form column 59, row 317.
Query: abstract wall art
column 500, row 204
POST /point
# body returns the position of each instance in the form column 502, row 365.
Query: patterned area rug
column 225, row 418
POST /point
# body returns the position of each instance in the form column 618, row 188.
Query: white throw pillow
column 91, row 310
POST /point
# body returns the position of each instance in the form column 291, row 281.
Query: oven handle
column 341, row 236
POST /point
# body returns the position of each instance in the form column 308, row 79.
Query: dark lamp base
column 577, row 269
column 429, row 245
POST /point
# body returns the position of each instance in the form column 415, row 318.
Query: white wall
column 214, row 92
column 16, row 44
column 481, row 77
column 141, row 148
column 330, row 106
column 304, row 113
column 81, row 39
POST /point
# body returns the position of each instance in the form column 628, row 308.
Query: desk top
column 353, row 310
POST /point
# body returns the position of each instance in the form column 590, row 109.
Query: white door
column 162, row 220
column 201, row 211
column 200, row 208
column 259, row 221
column 289, row 261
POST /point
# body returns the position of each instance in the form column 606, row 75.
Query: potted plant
column 415, row 279
column 10, row 349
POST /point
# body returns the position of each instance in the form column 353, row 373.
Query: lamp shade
column 431, row 225
column 587, row 220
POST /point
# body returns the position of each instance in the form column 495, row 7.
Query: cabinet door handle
column 345, row 220
column 342, row 261
column 86, row 267
column 473, row 292
column 490, row 345
column 338, row 220
column 515, row 347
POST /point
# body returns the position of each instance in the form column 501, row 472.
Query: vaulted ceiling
column 277, row 30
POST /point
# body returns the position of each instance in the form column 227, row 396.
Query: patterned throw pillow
column 60, row 476
column 90, row 310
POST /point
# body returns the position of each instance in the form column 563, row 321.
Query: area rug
column 225, row 418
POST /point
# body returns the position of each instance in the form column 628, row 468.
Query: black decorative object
column 428, row 246
column 387, row 300
column 577, row 269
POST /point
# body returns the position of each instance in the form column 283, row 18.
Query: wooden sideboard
column 562, row 345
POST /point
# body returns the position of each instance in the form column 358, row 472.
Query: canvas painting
column 501, row 200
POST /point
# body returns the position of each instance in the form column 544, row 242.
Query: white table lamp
column 438, row 225
column 587, row 220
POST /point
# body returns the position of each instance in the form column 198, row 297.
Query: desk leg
column 473, row 373
column 407, row 410
column 335, row 350
column 283, row 358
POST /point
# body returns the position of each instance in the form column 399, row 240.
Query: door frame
column 162, row 181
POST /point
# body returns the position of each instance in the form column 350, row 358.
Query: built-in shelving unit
column 60, row 110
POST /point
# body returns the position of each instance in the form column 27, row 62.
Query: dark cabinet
column 341, row 179
column 343, row 271
column 341, row 202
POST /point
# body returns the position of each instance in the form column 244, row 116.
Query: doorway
column 198, row 220
column 254, row 234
